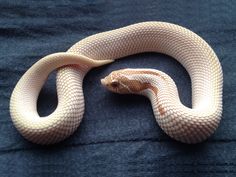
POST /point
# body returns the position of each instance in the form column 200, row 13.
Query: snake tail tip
column 102, row 62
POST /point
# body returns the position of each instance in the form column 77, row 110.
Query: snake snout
column 104, row 82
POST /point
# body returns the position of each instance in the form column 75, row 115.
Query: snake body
column 188, row 125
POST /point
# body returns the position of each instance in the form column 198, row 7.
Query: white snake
column 188, row 125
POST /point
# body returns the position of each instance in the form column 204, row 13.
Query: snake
column 185, row 124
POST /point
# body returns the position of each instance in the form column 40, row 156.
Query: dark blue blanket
column 118, row 135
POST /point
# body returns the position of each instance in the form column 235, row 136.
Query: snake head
column 127, row 81
column 116, row 82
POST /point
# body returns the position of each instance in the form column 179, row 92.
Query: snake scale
column 188, row 125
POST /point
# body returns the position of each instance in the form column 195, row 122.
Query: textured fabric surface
column 118, row 135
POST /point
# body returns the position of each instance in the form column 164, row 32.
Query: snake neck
column 158, row 87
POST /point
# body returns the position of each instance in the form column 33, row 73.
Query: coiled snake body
column 188, row 125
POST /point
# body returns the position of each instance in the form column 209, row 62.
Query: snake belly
column 188, row 48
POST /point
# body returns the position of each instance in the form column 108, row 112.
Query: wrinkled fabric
column 118, row 135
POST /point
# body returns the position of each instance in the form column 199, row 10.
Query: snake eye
column 114, row 84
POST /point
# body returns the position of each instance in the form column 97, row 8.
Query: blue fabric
column 118, row 135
